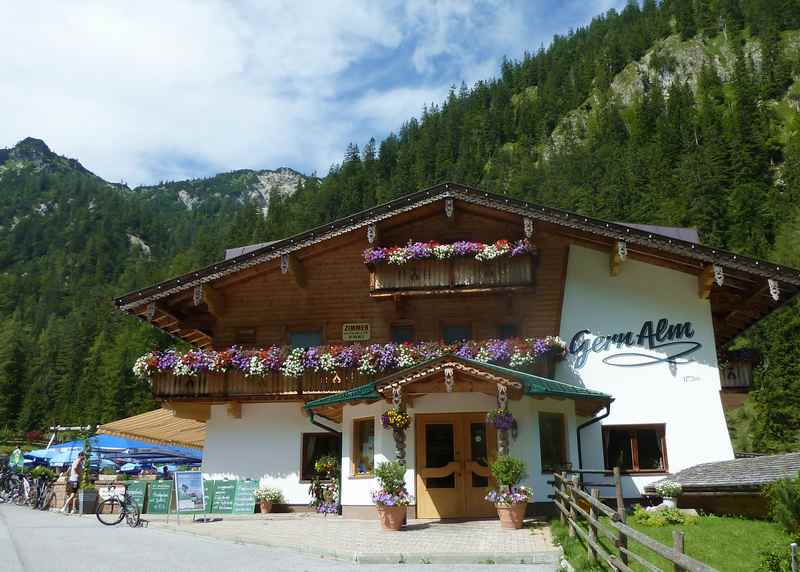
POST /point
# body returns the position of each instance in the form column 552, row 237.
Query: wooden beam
column 291, row 265
column 234, row 409
column 748, row 302
column 215, row 300
column 705, row 281
column 616, row 258
column 189, row 410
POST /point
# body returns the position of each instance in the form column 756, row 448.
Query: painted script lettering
column 672, row 339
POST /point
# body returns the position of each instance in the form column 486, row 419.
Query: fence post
column 793, row 547
column 561, row 486
column 571, row 490
column 677, row 544
column 592, row 555
column 622, row 541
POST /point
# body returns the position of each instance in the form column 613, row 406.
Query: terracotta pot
column 266, row 506
column 511, row 515
column 391, row 517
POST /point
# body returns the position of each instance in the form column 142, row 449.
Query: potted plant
column 267, row 497
column 324, row 487
column 509, row 498
column 87, row 498
column 501, row 418
column 392, row 498
column 669, row 491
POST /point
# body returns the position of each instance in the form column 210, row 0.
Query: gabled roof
column 629, row 233
column 748, row 300
column 530, row 384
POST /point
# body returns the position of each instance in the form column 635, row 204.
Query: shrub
column 775, row 558
column 784, row 501
column 273, row 495
column 669, row 489
column 660, row 517
column 507, row 470
column 392, row 490
column 391, row 476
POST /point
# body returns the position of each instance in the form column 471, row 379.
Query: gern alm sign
column 673, row 341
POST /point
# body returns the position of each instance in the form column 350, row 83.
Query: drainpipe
column 591, row 421
column 334, row 431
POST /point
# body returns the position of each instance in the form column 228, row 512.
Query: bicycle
column 45, row 492
column 114, row 509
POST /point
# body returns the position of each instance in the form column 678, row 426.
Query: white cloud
column 162, row 90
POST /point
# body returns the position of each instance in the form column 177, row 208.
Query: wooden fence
column 580, row 511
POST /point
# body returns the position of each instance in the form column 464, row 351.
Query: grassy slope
column 728, row 544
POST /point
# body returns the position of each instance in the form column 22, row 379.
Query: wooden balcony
column 452, row 276
column 235, row 386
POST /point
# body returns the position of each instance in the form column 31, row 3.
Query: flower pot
column 266, row 506
column 511, row 515
column 327, row 495
column 670, row 502
column 391, row 517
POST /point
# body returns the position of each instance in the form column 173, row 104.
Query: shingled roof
column 750, row 474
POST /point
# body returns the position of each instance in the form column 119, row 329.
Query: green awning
column 532, row 385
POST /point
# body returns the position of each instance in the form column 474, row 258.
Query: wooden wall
column 337, row 289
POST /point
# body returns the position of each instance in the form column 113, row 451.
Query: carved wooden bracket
column 619, row 252
column 291, row 265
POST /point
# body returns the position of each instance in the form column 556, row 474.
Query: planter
column 87, row 501
column 670, row 502
column 391, row 517
column 266, row 506
column 512, row 516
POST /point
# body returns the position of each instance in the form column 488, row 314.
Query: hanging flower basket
column 502, row 419
column 396, row 419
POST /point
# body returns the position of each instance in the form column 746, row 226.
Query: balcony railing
column 235, row 384
column 452, row 274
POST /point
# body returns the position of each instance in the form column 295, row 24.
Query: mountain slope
column 659, row 114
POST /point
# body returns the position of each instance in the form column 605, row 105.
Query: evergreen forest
column 682, row 113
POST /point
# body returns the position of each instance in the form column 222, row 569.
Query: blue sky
column 151, row 91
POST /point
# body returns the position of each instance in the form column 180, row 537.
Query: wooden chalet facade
column 596, row 284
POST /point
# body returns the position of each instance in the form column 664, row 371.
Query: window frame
column 506, row 323
column 304, row 478
column 633, row 442
column 354, row 444
column 403, row 324
column 564, row 452
column 457, row 324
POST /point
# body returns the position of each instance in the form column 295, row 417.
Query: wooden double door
column 452, row 465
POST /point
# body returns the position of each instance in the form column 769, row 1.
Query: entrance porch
column 448, row 446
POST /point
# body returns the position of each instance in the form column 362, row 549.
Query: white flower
column 327, row 363
column 293, row 366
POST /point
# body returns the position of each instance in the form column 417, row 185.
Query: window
column 635, row 448
column 316, row 446
column 305, row 338
column 456, row 333
column 363, row 446
column 508, row 330
column 552, row 442
column 402, row 333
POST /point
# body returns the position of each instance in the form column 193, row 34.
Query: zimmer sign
column 671, row 342
column 355, row 332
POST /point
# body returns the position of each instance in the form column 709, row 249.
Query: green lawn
column 728, row 544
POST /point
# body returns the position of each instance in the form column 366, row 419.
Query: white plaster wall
column 685, row 397
column 356, row 491
column 265, row 443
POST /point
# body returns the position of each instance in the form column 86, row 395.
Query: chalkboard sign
column 224, row 496
column 245, row 502
column 136, row 490
column 208, row 490
column 159, row 497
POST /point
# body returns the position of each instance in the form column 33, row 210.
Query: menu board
column 208, row 490
column 224, row 496
column 136, row 490
column 159, row 497
column 245, row 502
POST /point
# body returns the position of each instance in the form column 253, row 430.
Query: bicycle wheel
column 47, row 499
column 132, row 515
column 110, row 511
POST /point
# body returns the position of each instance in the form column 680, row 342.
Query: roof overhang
column 689, row 255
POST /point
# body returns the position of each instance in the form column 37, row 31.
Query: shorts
column 72, row 487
